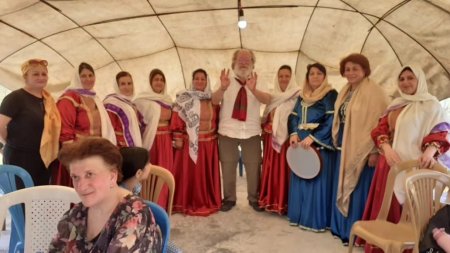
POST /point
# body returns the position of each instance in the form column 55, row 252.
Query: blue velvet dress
column 309, row 204
column 340, row 225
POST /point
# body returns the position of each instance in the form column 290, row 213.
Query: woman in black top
column 30, row 124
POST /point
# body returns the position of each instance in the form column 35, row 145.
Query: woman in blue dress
column 310, row 125
column 358, row 107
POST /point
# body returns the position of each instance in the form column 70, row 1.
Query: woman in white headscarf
column 82, row 115
column 310, row 123
column 414, row 126
column 196, row 163
column 127, row 121
column 275, row 170
column 156, row 108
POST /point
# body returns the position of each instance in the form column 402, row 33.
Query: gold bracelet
column 382, row 139
column 434, row 144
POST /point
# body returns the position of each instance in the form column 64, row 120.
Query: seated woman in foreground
column 109, row 218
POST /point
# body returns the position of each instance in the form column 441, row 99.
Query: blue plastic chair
column 162, row 219
column 8, row 174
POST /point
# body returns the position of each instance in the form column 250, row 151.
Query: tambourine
column 305, row 163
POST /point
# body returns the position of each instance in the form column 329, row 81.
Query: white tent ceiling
column 179, row 36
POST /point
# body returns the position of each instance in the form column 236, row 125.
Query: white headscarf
column 422, row 112
column 283, row 102
column 149, row 104
column 118, row 102
column 106, row 126
column 187, row 104
column 119, row 93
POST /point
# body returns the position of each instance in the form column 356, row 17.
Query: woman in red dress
column 413, row 127
column 82, row 115
column 274, row 190
column 127, row 121
column 156, row 108
column 196, row 164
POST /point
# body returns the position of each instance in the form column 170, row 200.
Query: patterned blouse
column 131, row 228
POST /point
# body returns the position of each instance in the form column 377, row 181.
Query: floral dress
column 131, row 228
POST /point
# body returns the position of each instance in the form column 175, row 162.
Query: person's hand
column 305, row 143
column 373, row 159
column 392, row 158
column 178, row 144
column 294, row 140
column 427, row 160
column 251, row 82
column 224, row 79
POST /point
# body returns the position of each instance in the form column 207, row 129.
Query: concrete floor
column 244, row 230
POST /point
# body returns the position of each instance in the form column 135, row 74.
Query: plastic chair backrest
column 151, row 188
column 8, row 174
column 424, row 189
column 162, row 219
column 44, row 207
column 381, row 232
column 7, row 177
column 405, row 167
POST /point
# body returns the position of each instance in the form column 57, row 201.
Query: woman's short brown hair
column 89, row 147
column 359, row 59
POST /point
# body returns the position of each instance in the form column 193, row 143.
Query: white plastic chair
column 44, row 207
column 424, row 190
column 390, row 237
column 152, row 187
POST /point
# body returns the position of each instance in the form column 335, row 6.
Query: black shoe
column 256, row 206
column 227, row 205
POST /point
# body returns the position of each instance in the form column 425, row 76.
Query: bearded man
column 240, row 125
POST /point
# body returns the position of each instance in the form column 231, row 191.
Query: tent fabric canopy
column 182, row 35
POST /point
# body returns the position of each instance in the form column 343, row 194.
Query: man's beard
column 243, row 73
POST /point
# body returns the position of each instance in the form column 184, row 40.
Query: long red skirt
column 375, row 199
column 198, row 189
column 274, row 190
column 161, row 154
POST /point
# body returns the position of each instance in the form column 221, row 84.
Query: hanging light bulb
column 242, row 23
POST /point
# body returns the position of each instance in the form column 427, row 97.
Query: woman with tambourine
column 309, row 127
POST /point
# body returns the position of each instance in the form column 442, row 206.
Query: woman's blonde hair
column 32, row 62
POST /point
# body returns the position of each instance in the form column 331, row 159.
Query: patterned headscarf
column 187, row 104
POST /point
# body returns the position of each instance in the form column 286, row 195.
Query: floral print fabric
column 131, row 228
